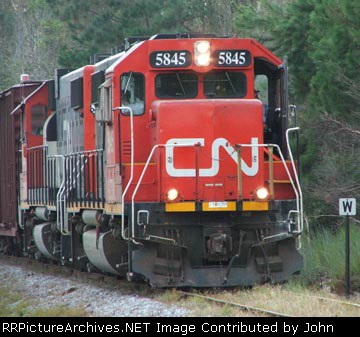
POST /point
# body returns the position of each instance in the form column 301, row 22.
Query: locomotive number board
column 170, row 59
column 232, row 58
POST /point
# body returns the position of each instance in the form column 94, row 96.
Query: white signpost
column 347, row 207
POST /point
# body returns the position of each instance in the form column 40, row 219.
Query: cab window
column 38, row 118
column 132, row 86
column 225, row 84
column 261, row 88
column 176, row 85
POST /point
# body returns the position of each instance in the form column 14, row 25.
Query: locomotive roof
column 20, row 85
column 103, row 64
column 258, row 50
column 41, row 84
column 134, row 47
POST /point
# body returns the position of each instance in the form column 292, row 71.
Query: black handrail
column 84, row 178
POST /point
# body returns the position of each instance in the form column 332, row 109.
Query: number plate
column 232, row 58
column 218, row 204
column 170, row 59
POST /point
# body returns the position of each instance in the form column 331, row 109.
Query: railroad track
column 66, row 271
column 234, row 304
column 29, row 288
column 267, row 312
column 321, row 298
column 134, row 288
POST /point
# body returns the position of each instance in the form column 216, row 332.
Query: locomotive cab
column 205, row 177
column 270, row 86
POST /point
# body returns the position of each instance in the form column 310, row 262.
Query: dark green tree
column 6, row 43
column 283, row 27
column 322, row 41
column 30, row 38
column 96, row 27
column 335, row 38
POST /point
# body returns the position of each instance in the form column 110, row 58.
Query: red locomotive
column 158, row 162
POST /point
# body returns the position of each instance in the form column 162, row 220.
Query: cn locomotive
column 158, row 162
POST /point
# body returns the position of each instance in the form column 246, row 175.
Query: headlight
column 172, row 194
column 202, row 53
column 202, row 46
column 202, row 60
column 262, row 193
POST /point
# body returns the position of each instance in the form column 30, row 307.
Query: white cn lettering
column 250, row 170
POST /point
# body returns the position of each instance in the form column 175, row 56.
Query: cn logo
column 250, row 170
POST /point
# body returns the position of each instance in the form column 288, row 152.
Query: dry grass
column 298, row 302
column 322, row 276
column 294, row 303
column 11, row 303
column 57, row 311
column 15, row 303
column 200, row 307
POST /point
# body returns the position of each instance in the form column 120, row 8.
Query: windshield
column 224, row 84
column 176, row 85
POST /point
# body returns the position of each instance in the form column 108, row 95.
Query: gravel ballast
column 98, row 300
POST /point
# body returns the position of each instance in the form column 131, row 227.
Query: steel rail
column 321, row 298
column 241, row 306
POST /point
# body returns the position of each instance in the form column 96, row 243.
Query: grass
column 323, row 276
column 300, row 303
column 324, row 257
column 10, row 303
column 14, row 304
column 293, row 300
column 58, row 311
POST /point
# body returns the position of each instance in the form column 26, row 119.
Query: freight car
column 158, row 162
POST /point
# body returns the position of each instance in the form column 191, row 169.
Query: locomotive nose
column 202, row 146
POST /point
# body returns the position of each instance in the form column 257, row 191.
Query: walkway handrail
column 59, row 213
column 132, row 147
column 295, row 185
column 297, row 194
column 296, row 176
column 155, row 147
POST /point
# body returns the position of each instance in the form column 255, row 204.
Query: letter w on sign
column 347, row 206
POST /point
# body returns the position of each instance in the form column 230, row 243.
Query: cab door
column 284, row 105
column 112, row 172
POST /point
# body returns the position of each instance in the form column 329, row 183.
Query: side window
column 103, row 109
column 38, row 118
column 132, row 86
column 107, row 102
column 262, row 88
column 261, row 92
